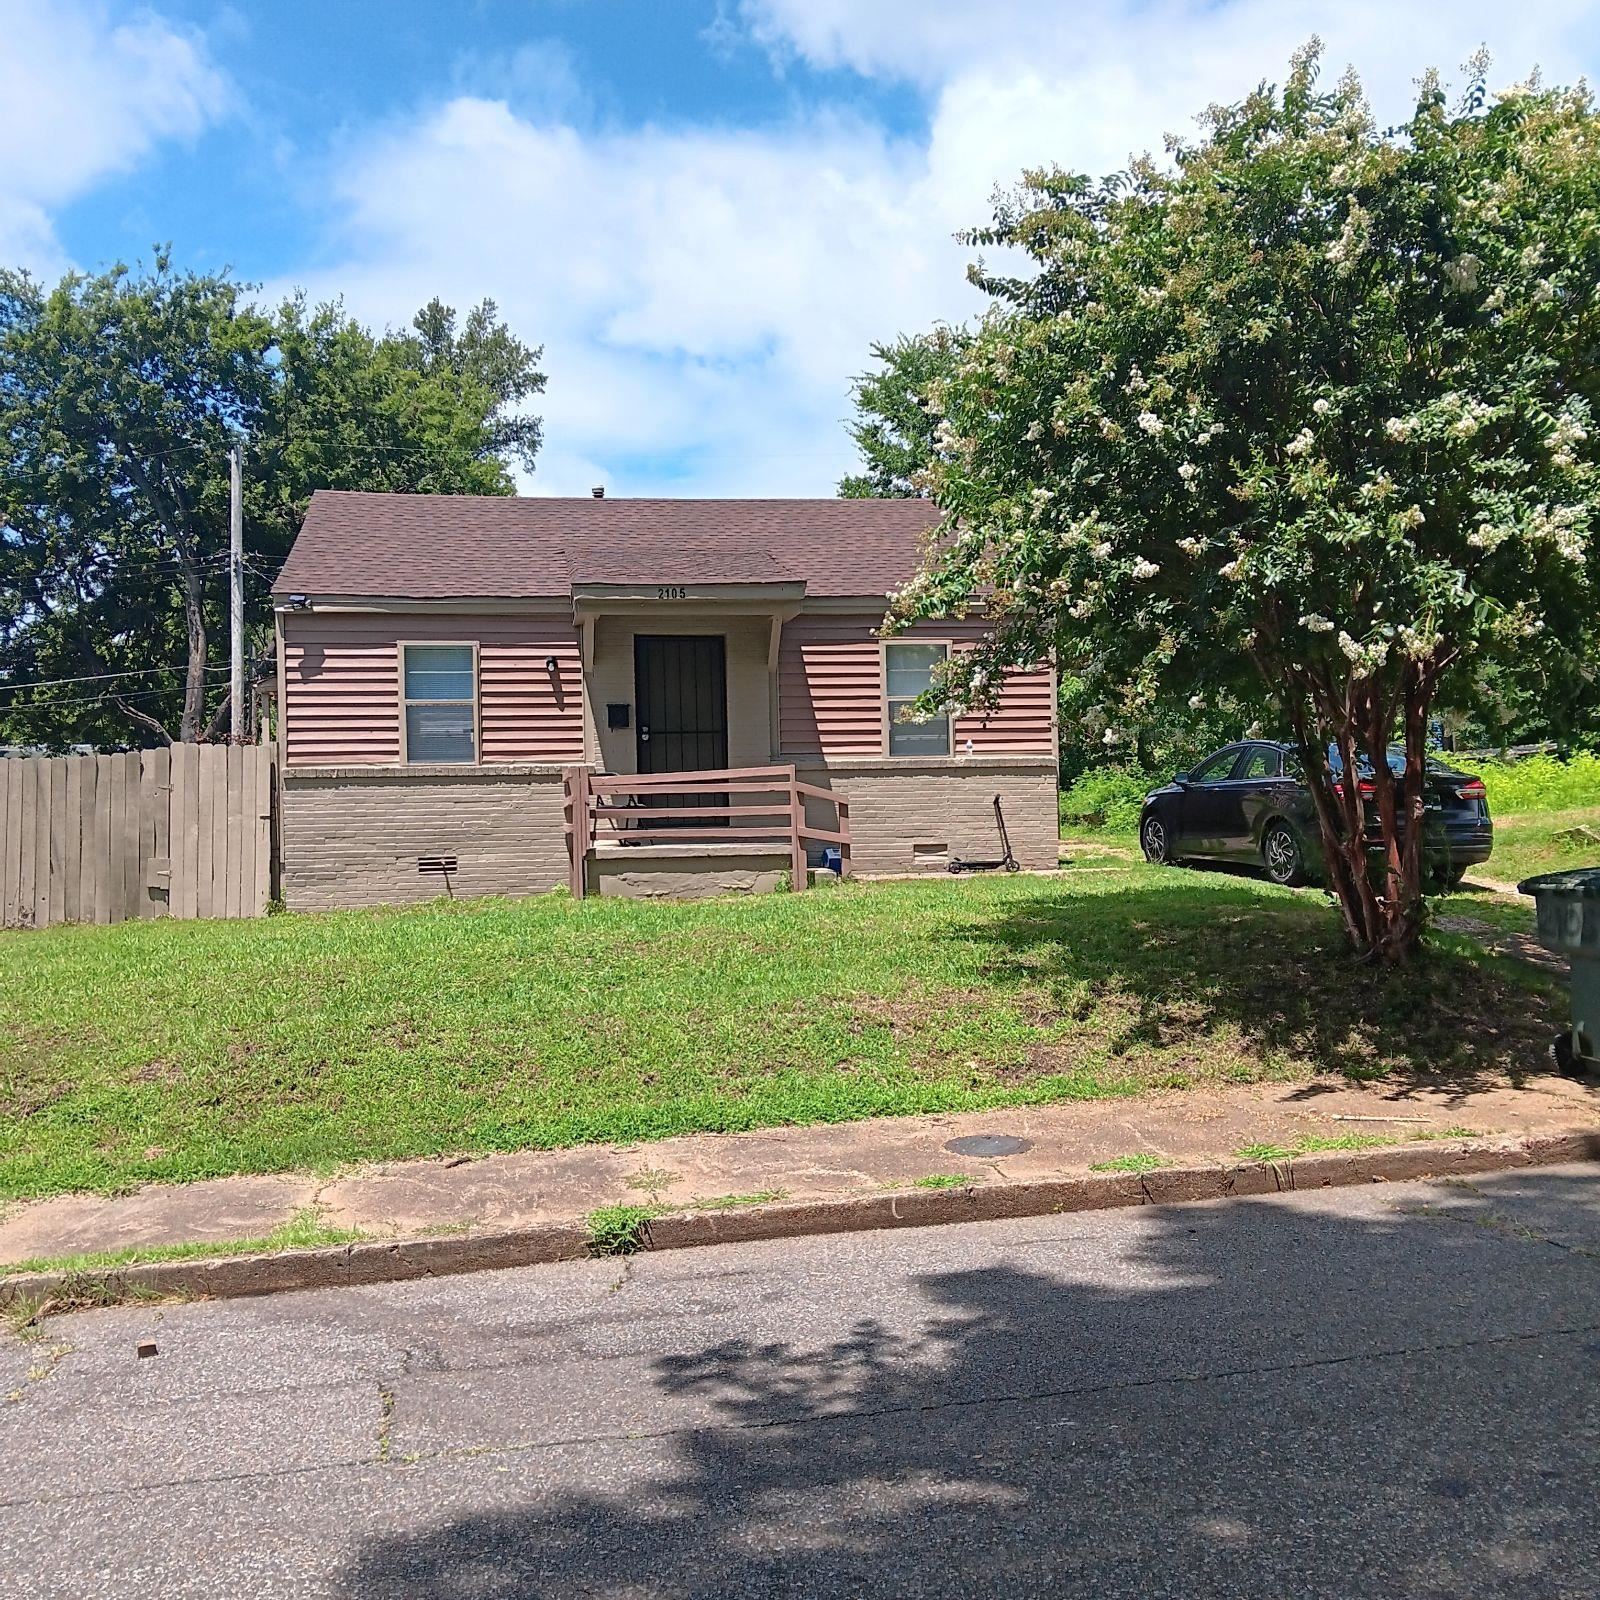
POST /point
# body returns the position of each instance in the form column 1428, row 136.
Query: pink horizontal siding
column 830, row 692
column 830, row 686
column 342, row 685
column 1022, row 723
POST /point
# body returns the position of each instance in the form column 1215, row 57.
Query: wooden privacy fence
column 181, row 832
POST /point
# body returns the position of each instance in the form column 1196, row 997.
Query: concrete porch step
column 696, row 871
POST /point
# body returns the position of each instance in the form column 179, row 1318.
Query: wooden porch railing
column 735, row 797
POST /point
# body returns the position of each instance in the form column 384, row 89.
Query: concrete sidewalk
column 734, row 1173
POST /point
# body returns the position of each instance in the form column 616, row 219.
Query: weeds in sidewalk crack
column 620, row 1230
column 74, row 1291
column 1139, row 1161
column 40, row 1370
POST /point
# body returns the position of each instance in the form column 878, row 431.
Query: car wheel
column 1155, row 841
column 1445, row 879
column 1282, row 856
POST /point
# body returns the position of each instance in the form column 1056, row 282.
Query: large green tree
column 121, row 394
column 893, row 427
column 1306, row 412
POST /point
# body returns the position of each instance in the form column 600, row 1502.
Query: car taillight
column 1473, row 789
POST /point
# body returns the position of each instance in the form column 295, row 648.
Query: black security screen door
column 681, row 690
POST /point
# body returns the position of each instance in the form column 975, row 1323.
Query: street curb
column 397, row 1260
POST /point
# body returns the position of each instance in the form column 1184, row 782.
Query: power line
column 91, row 700
column 121, row 566
column 101, row 677
column 109, row 696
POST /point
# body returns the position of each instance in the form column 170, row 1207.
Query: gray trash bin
column 1568, row 906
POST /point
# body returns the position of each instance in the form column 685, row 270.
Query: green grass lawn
column 1482, row 909
column 169, row 1050
column 1081, row 841
column 1543, row 841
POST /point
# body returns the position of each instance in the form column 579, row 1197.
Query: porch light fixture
column 299, row 602
column 551, row 665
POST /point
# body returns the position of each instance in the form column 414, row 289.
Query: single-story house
column 448, row 665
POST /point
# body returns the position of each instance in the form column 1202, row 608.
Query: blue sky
column 308, row 77
column 704, row 209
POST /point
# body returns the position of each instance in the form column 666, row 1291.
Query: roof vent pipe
column 599, row 491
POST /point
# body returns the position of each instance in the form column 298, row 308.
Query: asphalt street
column 1391, row 1390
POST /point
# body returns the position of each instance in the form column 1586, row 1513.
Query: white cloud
column 1016, row 82
column 1161, row 51
column 699, row 291
column 86, row 97
column 705, row 294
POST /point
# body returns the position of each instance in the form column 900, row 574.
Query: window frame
column 884, row 647
column 1274, row 757
column 1237, row 752
column 406, row 702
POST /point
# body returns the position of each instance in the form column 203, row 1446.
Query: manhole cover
column 989, row 1144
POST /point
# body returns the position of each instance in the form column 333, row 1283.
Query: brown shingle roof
column 438, row 547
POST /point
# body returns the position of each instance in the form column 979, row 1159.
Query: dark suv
column 1249, row 803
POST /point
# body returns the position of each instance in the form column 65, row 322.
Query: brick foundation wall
column 898, row 805
column 352, row 836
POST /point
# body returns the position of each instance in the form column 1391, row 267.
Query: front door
column 680, row 689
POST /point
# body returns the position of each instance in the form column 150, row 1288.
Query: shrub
column 1108, row 797
column 1539, row 783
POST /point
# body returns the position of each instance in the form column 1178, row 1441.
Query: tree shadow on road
column 1250, row 1399
column 1199, row 961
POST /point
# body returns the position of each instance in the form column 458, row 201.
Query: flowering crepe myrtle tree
column 1306, row 415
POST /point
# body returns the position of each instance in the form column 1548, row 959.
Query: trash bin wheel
column 1566, row 1058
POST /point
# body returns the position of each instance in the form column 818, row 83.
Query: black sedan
column 1250, row 803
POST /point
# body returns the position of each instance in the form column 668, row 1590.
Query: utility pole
column 236, row 593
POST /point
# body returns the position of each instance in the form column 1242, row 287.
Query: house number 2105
column 671, row 591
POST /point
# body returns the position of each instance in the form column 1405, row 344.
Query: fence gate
column 180, row 832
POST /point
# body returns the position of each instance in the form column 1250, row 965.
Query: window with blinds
column 441, row 703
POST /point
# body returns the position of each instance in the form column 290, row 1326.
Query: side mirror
column 1180, row 777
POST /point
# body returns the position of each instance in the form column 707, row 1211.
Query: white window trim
column 888, row 705
column 402, row 645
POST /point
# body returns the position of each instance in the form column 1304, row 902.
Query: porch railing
column 649, row 808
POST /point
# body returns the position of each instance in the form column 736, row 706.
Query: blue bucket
column 833, row 860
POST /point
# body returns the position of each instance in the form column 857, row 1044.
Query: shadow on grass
column 1201, row 958
column 1248, row 1399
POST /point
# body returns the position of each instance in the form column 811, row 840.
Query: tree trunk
column 1384, row 926
column 1401, row 812
column 177, row 519
column 194, row 682
column 1332, row 825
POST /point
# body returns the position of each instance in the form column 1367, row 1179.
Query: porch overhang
column 668, row 603
column 684, row 599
